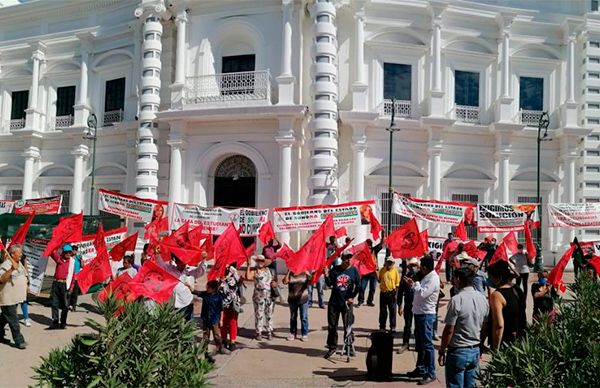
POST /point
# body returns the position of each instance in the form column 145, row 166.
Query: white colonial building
column 286, row 102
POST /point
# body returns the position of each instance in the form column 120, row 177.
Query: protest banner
column 37, row 263
column 311, row 217
column 440, row 212
column 130, row 206
column 574, row 215
column 216, row 219
column 87, row 250
column 436, row 244
column 48, row 205
column 6, row 206
column 494, row 218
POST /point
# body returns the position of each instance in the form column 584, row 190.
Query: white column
column 286, row 51
column 569, row 182
column 359, row 57
column 37, row 57
column 437, row 55
column 286, row 143
column 504, row 164
column 571, row 69
column 176, row 170
column 505, row 63
column 80, row 153
column 31, row 154
column 359, row 146
column 180, row 61
column 435, row 161
column 83, row 78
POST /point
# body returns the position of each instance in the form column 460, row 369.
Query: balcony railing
column 111, row 117
column 63, row 121
column 530, row 118
column 467, row 114
column 402, row 108
column 17, row 124
column 229, row 87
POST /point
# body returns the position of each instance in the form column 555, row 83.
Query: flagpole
column 390, row 188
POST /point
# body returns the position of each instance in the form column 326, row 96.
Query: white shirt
column 427, row 292
column 182, row 294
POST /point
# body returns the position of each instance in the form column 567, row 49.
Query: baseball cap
column 413, row 261
column 67, row 248
column 337, row 262
column 389, row 258
column 469, row 261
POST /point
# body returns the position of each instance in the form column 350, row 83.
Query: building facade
column 272, row 103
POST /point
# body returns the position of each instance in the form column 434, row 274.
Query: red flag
column 21, row 233
column 196, row 235
column 595, row 262
column 461, row 232
column 555, row 277
column 228, row 248
column 208, row 247
column 189, row 255
column 266, row 233
column 98, row 270
column 341, row 232
column 499, row 254
column 2, row 247
column 119, row 288
column 69, row 229
column 473, row 252
column 425, row 240
column 375, row 227
column 179, row 237
column 153, row 229
column 154, row 282
column 438, row 266
column 510, row 242
column 251, row 249
column 285, row 253
column 312, row 254
column 406, row 241
column 118, row 251
column 363, row 260
column 531, row 251
column 328, row 262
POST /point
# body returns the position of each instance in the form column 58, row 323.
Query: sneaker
column 269, row 336
column 54, row 326
column 63, row 326
column 258, row 337
column 291, row 337
column 210, row 358
column 304, row 338
column 329, row 353
column 425, row 381
column 28, row 322
column 223, row 350
column 415, row 374
column 352, row 352
column 22, row 345
column 232, row 346
column 322, row 306
column 370, row 304
column 4, row 340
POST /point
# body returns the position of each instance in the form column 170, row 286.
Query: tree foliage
column 136, row 347
column 563, row 353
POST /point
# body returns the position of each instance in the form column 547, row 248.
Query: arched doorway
column 235, row 182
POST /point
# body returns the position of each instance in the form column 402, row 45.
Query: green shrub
column 565, row 353
column 137, row 348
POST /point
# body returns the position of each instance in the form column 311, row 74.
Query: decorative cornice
column 36, row 10
column 156, row 7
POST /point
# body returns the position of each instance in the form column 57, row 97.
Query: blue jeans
column 319, row 287
column 303, row 308
column 424, row 344
column 461, row 367
column 25, row 310
column 369, row 279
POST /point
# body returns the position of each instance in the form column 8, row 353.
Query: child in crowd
column 212, row 307
column 127, row 267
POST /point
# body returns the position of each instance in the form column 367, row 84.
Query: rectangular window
column 594, row 185
column 238, row 63
column 592, row 200
column 241, row 84
column 531, row 93
column 20, row 100
column 114, row 95
column 13, row 194
column 466, row 88
column 593, row 121
column 594, row 75
column 594, row 60
column 594, row 6
column 595, row 44
column 592, row 169
column 592, row 232
column 66, row 198
column 593, row 91
column 593, row 106
column 384, row 202
column 592, row 153
column 593, row 137
column 65, row 99
column 470, row 198
column 397, row 81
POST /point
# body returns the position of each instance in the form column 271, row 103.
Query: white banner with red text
column 440, row 212
column 495, row 218
column 130, row 206
column 287, row 219
column 47, row 205
column 216, row 219
column 36, row 263
column 574, row 215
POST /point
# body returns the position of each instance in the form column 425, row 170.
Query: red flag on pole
column 499, row 254
column 341, row 232
column 118, row 251
column 312, row 254
column 375, row 227
column 251, row 249
column 285, row 253
column 405, row 241
column 461, row 232
column 179, row 237
column 555, row 277
column 2, row 247
column 328, row 262
column 98, row 270
column 473, row 252
column 196, row 235
column 438, row 266
column 69, row 229
column 119, row 288
column 208, row 247
column 189, row 255
column 595, row 262
column 363, row 260
column 266, row 233
column 510, row 242
column 425, row 240
column 21, row 233
column 531, row 251
column 154, row 282
column 153, row 229
column 228, row 248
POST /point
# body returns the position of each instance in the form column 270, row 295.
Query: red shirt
column 62, row 267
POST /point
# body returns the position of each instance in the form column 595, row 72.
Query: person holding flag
column 263, row 303
column 75, row 291
column 343, row 280
column 370, row 278
column 58, row 293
